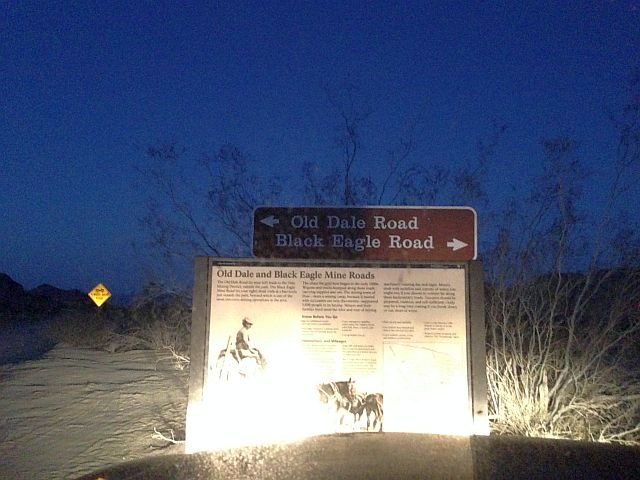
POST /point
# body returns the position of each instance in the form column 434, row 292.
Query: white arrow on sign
column 270, row 221
column 456, row 244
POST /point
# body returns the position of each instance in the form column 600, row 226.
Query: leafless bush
column 561, row 360
column 162, row 319
column 562, row 348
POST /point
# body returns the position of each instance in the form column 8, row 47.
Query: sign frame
column 202, row 323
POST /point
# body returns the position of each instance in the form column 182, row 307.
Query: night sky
column 86, row 88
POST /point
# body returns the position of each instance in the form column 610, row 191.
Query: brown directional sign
column 372, row 233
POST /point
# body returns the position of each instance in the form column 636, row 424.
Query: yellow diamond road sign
column 99, row 294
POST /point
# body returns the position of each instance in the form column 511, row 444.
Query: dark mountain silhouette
column 17, row 304
column 13, row 298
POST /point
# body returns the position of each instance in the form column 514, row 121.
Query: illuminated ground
column 79, row 411
column 74, row 411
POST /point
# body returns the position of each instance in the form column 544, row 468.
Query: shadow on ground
column 395, row 455
column 23, row 341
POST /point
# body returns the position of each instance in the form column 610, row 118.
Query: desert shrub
column 161, row 318
column 561, row 360
column 158, row 319
column 99, row 329
column 562, row 347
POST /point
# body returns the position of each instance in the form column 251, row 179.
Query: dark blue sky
column 84, row 90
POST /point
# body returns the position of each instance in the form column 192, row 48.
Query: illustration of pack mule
column 339, row 397
column 371, row 406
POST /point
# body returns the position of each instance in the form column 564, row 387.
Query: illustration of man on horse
column 241, row 358
column 244, row 346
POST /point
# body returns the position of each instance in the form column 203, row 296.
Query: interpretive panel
column 294, row 349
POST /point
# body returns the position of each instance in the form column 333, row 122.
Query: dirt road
column 75, row 410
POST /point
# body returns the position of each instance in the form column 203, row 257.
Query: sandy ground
column 74, row 411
